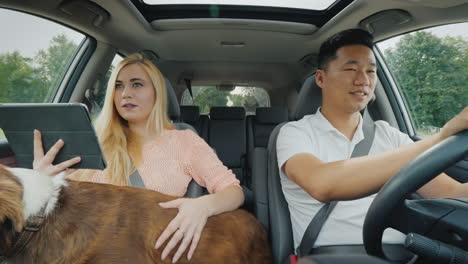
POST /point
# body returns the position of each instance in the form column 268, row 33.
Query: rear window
column 207, row 96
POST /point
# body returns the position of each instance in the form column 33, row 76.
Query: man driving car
column 314, row 153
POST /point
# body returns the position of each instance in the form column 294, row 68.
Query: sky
column 39, row 31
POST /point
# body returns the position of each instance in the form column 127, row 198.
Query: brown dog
column 100, row 223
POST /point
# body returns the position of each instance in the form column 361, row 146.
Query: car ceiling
column 277, row 55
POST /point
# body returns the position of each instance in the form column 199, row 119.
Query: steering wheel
column 440, row 219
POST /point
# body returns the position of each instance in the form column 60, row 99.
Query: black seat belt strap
column 136, row 180
column 193, row 189
column 313, row 230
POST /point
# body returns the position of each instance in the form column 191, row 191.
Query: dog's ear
column 11, row 200
column 11, row 218
column 7, row 234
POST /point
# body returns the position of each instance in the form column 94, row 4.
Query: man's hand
column 456, row 124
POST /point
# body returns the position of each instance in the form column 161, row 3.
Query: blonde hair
column 113, row 132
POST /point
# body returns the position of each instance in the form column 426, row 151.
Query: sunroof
column 300, row 4
column 315, row 12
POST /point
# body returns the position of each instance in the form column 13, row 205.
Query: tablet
column 67, row 121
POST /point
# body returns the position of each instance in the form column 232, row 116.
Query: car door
column 425, row 74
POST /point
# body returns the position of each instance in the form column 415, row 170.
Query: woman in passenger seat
column 135, row 133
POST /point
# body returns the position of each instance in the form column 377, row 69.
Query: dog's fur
column 100, row 223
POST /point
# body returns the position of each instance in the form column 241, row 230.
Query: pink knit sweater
column 174, row 158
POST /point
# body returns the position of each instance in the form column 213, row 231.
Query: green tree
column 54, row 59
column 207, row 96
column 250, row 98
column 25, row 79
column 19, row 81
column 432, row 74
column 237, row 99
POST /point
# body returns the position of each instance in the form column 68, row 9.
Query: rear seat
column 190, row 114
column 259, row 128
column 234, row 136
column 227, row 135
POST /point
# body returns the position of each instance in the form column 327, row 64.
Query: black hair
column 343, row 38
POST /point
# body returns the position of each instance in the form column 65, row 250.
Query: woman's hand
column 43, row 163
column 186, row 226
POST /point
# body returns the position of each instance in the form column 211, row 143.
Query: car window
column 97, row 101
column 34, row 54
column 207, row 96
column 430, row 68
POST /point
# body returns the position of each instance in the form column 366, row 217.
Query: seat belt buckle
column 293, row 259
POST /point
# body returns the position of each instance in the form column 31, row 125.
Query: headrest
column 173, row 110
column 309, row 99
column 271, row 115
column 227, row 113
column 189, row 113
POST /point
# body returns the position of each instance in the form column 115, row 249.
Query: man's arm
column 359, row 177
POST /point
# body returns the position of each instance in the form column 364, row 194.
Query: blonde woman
column 135, row 133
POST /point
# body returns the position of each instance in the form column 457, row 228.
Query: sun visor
column 385, row 20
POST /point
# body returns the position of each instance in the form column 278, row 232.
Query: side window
column 97, row 101
column 207, row 96
column 430, row 68
column 34, row 54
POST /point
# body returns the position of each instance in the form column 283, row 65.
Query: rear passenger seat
column 234, row 137
column 227, row 135
column 190, row 114
column 259, row 128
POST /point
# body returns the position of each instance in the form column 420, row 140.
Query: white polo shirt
column 315, row 135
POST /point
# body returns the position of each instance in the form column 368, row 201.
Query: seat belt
column 136, row 180
column 194, row 190
column 313, row 230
